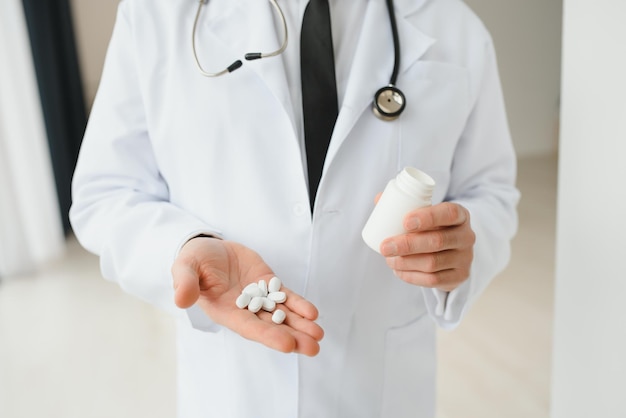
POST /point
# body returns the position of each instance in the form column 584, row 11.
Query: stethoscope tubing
column 250, row 56
column 389, row 101
column 396, row 42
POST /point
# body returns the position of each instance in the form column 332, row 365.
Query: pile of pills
column 263, row 295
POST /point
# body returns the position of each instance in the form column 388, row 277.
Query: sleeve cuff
column 448, row 308
column 195, row 234
column 197, row 318
column 200, row 321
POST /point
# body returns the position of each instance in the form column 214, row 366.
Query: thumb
column 186, row 285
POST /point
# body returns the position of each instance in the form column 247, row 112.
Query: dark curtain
column 51, row 33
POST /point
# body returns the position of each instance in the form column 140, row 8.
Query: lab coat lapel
column 373, row 62
column 243, row 26
column 404, row 8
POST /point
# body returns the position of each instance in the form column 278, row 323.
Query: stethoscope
column 389, row 101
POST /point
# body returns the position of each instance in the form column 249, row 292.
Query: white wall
column 527, row 35
column 93, row 24
column 589, row 357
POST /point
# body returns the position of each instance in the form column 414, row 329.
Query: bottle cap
column 415, row 182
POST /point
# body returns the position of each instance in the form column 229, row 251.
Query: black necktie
column 319, row 88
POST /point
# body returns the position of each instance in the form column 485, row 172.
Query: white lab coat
column 169, row 154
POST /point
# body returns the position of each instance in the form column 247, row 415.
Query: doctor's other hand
column 212, row 273
column 437, row 249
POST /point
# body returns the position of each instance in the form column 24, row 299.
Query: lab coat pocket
column 409, row 376
column 439, row 97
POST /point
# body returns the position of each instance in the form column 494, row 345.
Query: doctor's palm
column 212, row 273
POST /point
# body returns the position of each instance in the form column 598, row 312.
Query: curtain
column 31, row 230
column 56, row 64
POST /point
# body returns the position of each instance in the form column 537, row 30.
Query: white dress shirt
column 346, row 21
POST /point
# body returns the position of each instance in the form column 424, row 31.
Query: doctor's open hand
column 213, row 272
column 437, row 249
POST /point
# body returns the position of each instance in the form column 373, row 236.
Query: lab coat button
column 299, row 209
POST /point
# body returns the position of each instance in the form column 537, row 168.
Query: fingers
column 433, row 269
column 431, row 241
column 436, row 251
column 437, row 216
column 186, row 285
column 296, row 334
column 256, row 327
column 304, row 326
column 416, row 262
column 446, row 280
column 300, row 305
column 306, row 345
column 430, row 262
column 300, row 315
column 304, row 333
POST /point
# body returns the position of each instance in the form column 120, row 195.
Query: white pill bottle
column 411, row 189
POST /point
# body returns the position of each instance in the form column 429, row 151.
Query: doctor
column 190, row 187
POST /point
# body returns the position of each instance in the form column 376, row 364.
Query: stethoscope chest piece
column 389, row 102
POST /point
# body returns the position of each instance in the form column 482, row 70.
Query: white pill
column 253, row 290
column 269, row 305
column 263, row 286
column 255, row 304
column 275, row 284
column 278, row 297
column 243, row 300
column 278, row 317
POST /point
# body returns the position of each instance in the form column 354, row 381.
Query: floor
column 497, row 363
column 74, row 346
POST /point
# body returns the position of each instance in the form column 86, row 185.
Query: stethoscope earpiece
column 389, row 102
